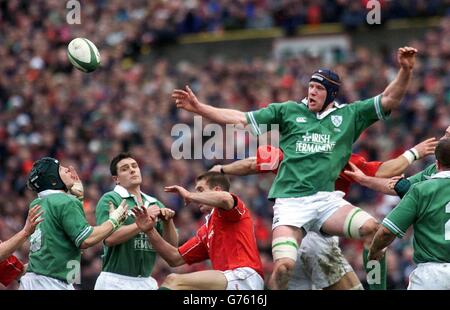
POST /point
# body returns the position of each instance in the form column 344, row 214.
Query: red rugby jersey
column 10, row 269
column 227, row 239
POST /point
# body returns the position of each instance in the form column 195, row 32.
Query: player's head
column 125, row 171
column 47, row 173
column 323, row 89
column 442, row 153
column 211, row 181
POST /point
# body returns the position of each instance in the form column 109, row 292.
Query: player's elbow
column 172, row 263
column 175, row 260
column 86, row 244
column 3, row 254
column 240, row 121
column 111, row 241
column 226, row 202
column 90, row 241
column 390, row 101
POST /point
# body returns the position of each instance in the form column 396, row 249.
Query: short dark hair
column 442, row 152
column 214, row 179
column 115, row 161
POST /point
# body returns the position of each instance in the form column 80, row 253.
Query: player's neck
column 135, row 190
column 329, row 107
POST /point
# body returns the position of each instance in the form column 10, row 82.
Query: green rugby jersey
column 403, row 185
column 135, row 257
column 423, row 175
column 426, row 206
column 316, row 146
column 55, row 244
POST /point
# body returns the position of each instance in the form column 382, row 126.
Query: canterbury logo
column 300, row 119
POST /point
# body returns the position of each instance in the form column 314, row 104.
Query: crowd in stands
column 48, row 108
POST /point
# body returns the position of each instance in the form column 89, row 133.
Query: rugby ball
column 83, row 54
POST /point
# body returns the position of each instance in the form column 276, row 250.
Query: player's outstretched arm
column 378, row 184
column 394, row 92
column 383, row 237
column 126, row 232
column 11, row 245
column 240, row 167
column 186, row 99
column 169, row 230
column 398, row 165
column 146, row 222
column 123, row 234
column 217, row 199
column 101, row 232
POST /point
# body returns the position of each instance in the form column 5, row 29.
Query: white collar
column 122, row 191
column 48, row 192
column 208, row 216
column 322, row 115
column 441, row 175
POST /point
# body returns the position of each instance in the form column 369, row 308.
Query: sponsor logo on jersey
column 141, row 243
column 300, row 119
column 336, row 120
column 315, row 143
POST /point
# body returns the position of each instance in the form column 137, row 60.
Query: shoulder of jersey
column 340, row 105
column 64, row 197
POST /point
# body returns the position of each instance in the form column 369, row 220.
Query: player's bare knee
column 172, row 280
column 360, row 225
column 282, row 272
column 369, row 228
column 285, row 266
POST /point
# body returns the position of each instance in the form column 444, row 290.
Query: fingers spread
column 38, row 215
column 34, row 210
column 170, row 188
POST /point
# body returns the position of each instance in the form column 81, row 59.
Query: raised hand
column 166, row 214
column 33, row 220
column 119, row 215
column 180, row 191
column 426, row 147
column 406, row 57
column 77, row 188
column 154, row 210
column 186, row 99
column 216, row 168
column 356, row 174
column 143, row 219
